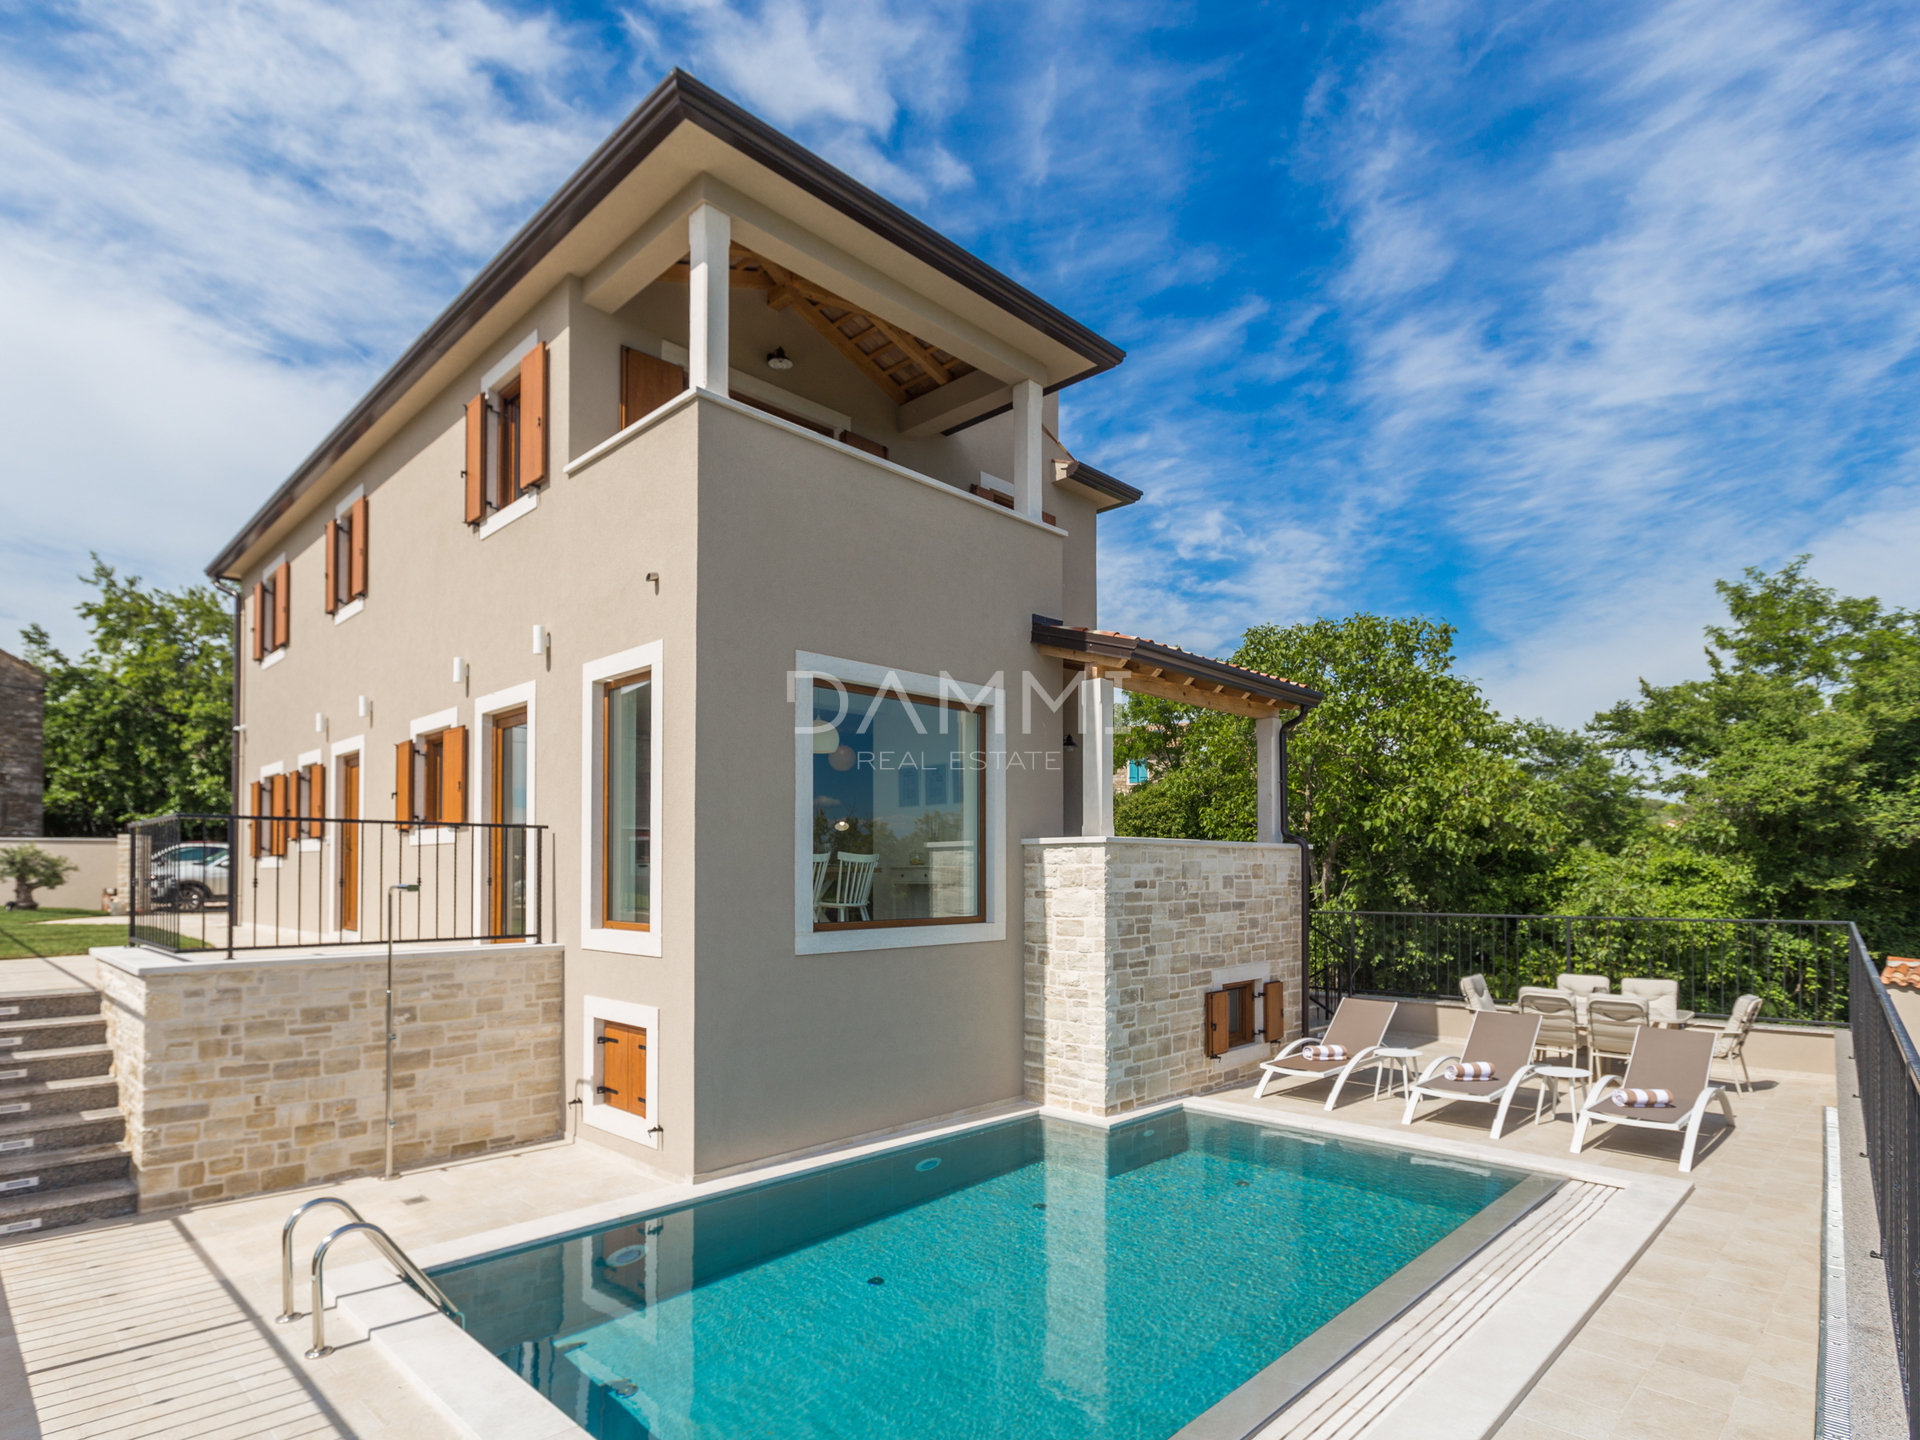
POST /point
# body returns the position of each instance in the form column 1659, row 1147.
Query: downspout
column 235, row 728
column 1287, row 837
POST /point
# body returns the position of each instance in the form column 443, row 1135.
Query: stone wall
column 1123, row 938
column 254, row 1075
column 22, row 778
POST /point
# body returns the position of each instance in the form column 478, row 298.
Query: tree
column 141, row 723
column 31, row 868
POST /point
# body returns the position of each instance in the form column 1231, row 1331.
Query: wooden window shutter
column 860, row 442
column 1218, row 1012
column 333, row 548
column 316, row 798
column 254, row 808
column 260, row 620
column 646, row 383
column 357, row 544
column 533, row 416
column 1275, row 1007
column 403, row 783
column 476, row 471
column 280, row 809
column 282, row 603
column 453, row 776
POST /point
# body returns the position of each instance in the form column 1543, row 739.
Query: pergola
column 1108, row 660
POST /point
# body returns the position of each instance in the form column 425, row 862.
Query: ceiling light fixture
column 778, row 359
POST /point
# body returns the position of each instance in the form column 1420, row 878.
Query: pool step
column 63, row 1157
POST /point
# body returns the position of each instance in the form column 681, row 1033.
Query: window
column 507, row 437
column 626, row 833
column 1230, row 1017
column 430, row 775
column 1136, row 772
column 346, row 551
column 646, row 383
column 507, row 809
column 271, row 596
column 899, row 788
column 623, row 1067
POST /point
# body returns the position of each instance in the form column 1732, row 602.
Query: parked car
column 187, row 877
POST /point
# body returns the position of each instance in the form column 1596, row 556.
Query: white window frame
column 809, row 941
column 355, row 745
column 268, row 860
column 484, row 709
column 503, row 371
column 426, row 725
column 279, row 652
column 353, row 607
column 593, row 676
column 597, row 1010
column 310, row 757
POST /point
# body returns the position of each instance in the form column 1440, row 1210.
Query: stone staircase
column 61, row 1154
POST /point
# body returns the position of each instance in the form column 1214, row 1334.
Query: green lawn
column 25, row 932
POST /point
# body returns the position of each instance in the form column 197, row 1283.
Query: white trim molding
column 500, row 519
column 480, row 757
column 597, row 1010
column 595, row 936
column 807, row 940
column 354, row 745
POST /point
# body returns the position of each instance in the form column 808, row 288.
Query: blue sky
column 1536, row 318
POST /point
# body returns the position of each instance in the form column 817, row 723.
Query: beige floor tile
column 1654, row 1416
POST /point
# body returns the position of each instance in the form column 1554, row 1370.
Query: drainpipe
column 238, row 596
column 1287, row 837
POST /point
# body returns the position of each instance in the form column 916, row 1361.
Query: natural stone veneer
column 1123, row 938
column 253, row 1075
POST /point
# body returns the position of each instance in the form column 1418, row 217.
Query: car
column 190, row 876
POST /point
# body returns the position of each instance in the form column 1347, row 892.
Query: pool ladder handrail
column 317, row 1295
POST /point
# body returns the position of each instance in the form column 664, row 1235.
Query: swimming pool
column 1035, row 1278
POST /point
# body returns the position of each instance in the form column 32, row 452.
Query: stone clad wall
column 239, row 1077
column 1123, row 938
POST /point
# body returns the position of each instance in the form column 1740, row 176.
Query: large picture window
column 899, row 787
column 626, row 840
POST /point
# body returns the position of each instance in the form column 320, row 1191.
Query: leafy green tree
column 141, row 723
column 1798, row 757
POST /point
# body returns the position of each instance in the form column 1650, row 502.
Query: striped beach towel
column 1468, row 1070
column 1324, row 1052
column 1644, row 1099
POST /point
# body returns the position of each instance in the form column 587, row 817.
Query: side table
column 1576, row 1079
column 1397, row 1066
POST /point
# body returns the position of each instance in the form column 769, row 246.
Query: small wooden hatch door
column 623, row 1067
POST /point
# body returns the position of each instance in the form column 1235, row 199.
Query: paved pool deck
column 160, row 1326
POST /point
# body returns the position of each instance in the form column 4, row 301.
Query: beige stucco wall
column 1123, row 939
column 242, row 1077
column 84, row 887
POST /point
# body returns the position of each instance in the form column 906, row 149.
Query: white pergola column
column 709, row 255
column 1096, row 754
column 1027, row 404
column 1266, row 749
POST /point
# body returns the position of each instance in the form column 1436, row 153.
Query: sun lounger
column 1358, row 1027
column 1504, row 1041
column 1676, row 1061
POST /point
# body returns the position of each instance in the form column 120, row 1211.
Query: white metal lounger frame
column 1416, row 1092
column 1624, row 1115
column 1277, row 1067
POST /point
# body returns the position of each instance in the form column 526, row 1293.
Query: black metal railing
column 1888, row 1069
column 1798, row 968
column 234, row 883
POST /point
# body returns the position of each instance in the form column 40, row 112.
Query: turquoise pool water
column 1034, row 1279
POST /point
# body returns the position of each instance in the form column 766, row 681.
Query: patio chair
column 1506, row 1042
column 1731, row 1042
column 1679, row 1062
column 1559, row 1024
column 1584, row 984
column 1662, row 997
column 1473, row 989
column 1358, row 1027
column 820, row 859
column 854, row 891
column 1613, row 1024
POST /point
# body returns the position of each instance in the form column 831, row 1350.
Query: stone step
column 53, row 1032
column 43, row 1134
column 66, row 1063
column 62, row 1169
column 53, row 1005
column 57, row 1097
column 30, row 1214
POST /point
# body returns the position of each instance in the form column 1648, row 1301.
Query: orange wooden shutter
column 316, row 797
column 254, row 809
column 646, row 383
column 1219, row 1009
column 476, row 459
column 533, row 416
column 403, row 783
column 333, row 546
column 357, row 542
column 259, row 620
column 282, row 603
column 280, row 808
column 1275, row 1022
column 453, row 775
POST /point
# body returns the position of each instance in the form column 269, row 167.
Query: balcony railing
column 1888, row 1069
column 1798, row 968
column 233, row 883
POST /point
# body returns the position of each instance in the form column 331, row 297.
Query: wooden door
column 348, row 808
column 623, row 1067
